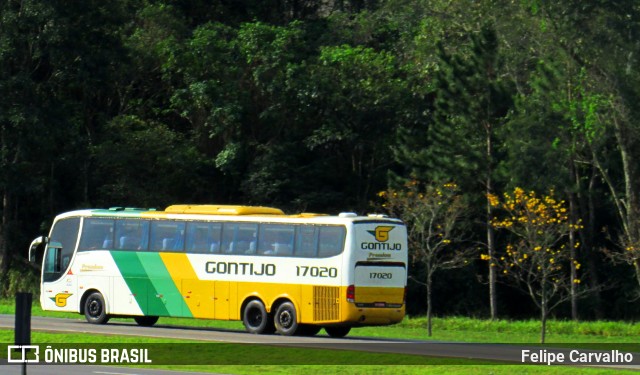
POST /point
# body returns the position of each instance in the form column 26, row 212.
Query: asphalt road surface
column 492, row 352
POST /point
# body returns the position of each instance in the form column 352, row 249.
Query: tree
column 549, row 135
column 433, row 216
column 609, row 57
column 537, row 258
column 472, row 102
column 352, row 96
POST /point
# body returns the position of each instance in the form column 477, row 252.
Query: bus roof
column 224, row 213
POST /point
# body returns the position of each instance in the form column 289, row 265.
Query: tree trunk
column 543, row 324
column 543, row 312
column 629, row 165
column 587, row 248
column 492, row 271
column 493, row 305
column 636, row 265
column 429, row 326
column 5, row 256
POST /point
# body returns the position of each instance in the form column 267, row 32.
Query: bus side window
column 247, row 239
column 52, row 261
column 97, row 233
column 229, row 231
column 276, row 239
column 306, row 241
column 167, row 235
column 239, row 238
column 203, row 237
column 132, row 234
column 331, row 241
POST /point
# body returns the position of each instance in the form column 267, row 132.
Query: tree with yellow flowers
column 432, row 214
column 538, row 258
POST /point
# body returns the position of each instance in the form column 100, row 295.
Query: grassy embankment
column 460, row 329
column 446, row 329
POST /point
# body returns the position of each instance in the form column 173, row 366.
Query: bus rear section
column 378, row 280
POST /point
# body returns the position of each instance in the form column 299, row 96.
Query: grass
column 458, row 329
column 274, row 357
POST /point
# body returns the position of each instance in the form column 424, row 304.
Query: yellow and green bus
column 294, row 274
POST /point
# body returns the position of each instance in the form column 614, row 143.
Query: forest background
column 319, row 106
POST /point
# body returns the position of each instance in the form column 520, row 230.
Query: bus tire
column 95, row 309
column 146, row 321
column 285, row 319
column 307, row 330
column 255, row 317
column 338, row 331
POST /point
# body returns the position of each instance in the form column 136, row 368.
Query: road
column 492, row 352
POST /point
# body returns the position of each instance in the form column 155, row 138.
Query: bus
column 290, row 274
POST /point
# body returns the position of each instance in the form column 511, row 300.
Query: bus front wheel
column 340, row 331
column 285, row 319
column 95, row 310
column 255, row 318
column 146, row 321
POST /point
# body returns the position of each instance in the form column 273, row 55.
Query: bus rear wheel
column 146, row 321
column 95, row 310
column 339, row 331
column 285, row 319
column 255, row 318
column 307, row 330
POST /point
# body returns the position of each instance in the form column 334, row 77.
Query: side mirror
column 34, row 247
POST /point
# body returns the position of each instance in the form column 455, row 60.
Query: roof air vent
column 347, row 214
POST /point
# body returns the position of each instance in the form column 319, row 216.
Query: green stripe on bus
column 167, row 290
column 135, row 275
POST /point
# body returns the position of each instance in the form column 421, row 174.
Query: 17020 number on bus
column 381, row 275
column 316, row 271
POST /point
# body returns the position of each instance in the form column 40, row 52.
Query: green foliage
column 21, row 279
column 313, row 107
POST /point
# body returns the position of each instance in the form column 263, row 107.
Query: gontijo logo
column 381, row 233
column 61, row 299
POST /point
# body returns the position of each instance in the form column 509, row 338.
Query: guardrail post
column 23, row 322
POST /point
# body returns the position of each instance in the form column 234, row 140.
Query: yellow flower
column 493, row 200
column 485, row 257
